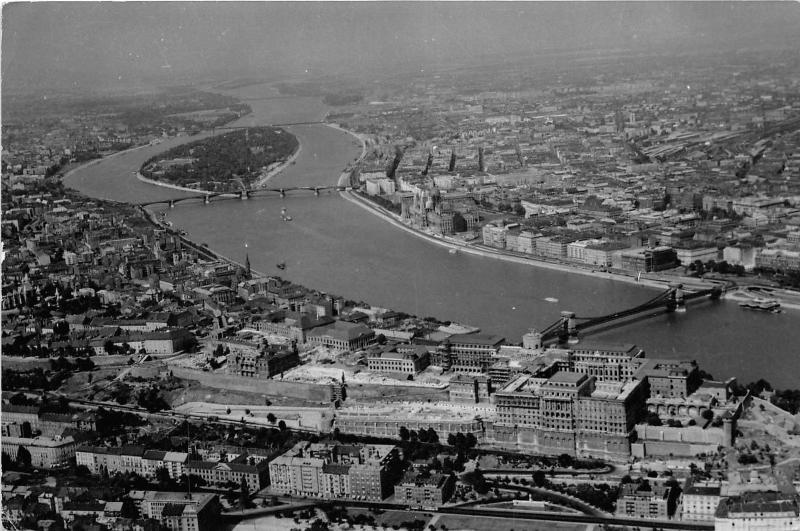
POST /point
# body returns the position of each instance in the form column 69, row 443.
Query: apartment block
column 362, row 472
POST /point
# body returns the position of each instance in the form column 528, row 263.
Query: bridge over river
column 207, row 197
column 674, row 299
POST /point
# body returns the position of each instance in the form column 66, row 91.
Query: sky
column 82, row 45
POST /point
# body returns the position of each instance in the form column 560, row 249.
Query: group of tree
column 76, row 365
column 110, row 421
column 461, row 441
column 476, row 480
column 22, row 462
column 152, row 400
column 123, row 349
column 722, row 267
column 28, row 346
column 787, row 279
column 786, row 399
column 428, row 435
column 36, row 378
column 448, row 464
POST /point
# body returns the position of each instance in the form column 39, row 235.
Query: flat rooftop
column 757, row 502
column 488, row 340
column 622, row 348
column 566, row 377
column 615, row 390
column 523, row 384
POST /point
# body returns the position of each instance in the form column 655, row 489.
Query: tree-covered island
column 225, row 162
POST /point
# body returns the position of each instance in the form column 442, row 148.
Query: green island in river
column 223, row 163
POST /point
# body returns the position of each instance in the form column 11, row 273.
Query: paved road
column 534, row 516
column 264, row 511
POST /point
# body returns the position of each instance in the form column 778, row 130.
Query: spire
column 247, row 265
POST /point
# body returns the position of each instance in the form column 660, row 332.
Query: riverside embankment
column 464, row 247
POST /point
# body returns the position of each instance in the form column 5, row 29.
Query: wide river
column 337, row 247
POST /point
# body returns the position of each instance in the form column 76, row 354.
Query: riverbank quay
column 92, row 162
column 264, row 179
column 209, row 253
column 355, row 135
column 168, row 185
column 486, row 252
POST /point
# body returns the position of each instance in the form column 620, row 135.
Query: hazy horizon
column 92, row 46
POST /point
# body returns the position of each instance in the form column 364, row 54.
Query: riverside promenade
column 450, row 243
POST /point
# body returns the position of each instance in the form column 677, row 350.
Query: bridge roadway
column 666, row 302
column 237, row 127
column 206, row 197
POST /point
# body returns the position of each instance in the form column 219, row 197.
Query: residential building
column 700, row 500
column 45, row 452
column 758, row 511
column 364, row 471
column 643, row 500
column 99, row 459
column 180, row 511
column 424, row 490
column 494, row 236
column 221, row 473
column 172, row 462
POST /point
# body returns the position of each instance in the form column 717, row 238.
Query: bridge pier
column 569, row 329
column 676, row 301
column 283, row 192
column 206, row 199
column 244, row 194
column 172, row 204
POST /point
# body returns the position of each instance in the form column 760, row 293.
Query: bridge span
column 208, row 197
column 238, row 127
column 570, row 326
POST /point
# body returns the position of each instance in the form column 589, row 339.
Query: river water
column 337, row 247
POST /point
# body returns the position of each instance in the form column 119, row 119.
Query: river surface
column 335, row 246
